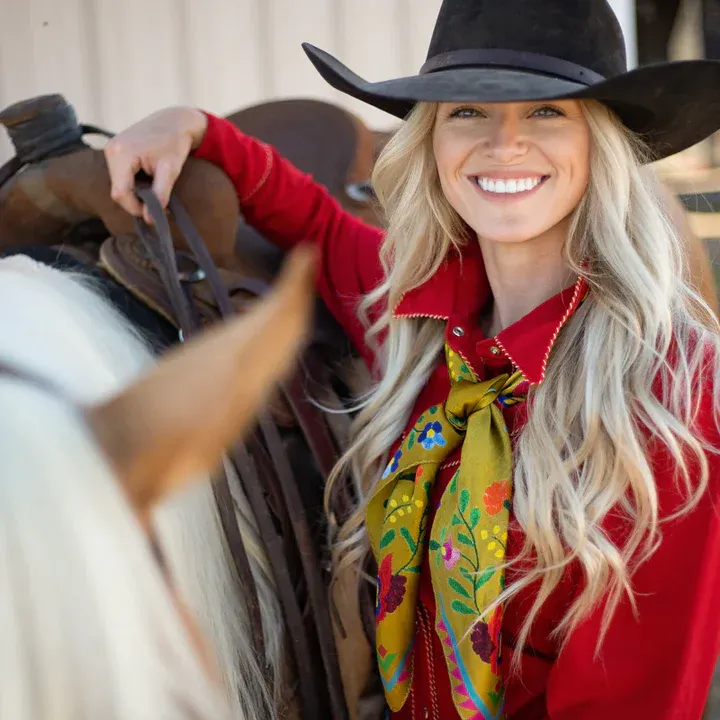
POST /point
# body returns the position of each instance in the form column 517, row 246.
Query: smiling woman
column 535, row 469
column 529, row 162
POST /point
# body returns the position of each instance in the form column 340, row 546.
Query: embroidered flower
column 431, row 435
column 393, row 464
column 496, row 496
column 450, row 554
column 390, row 590
column 486, row 642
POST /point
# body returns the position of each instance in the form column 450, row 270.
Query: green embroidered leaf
column 411, row 440
column 443, row 534
column 438, row 558
column 464, row 499
column 465, row 540
column 474, row 517
column 420, row 419
column 458, row 588
column 387, row 538
column 433, row 409
column 434, row 545
column 415, row 569
column 464, row 369
column 427, row 486
column 494, row 697
column 460, row 607
column 467, row 575
column 507, row 505
column 452, row 487
column 408, row 539
column 456, row 521
column 484, row 576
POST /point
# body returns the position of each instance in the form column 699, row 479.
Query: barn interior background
column 117, row 60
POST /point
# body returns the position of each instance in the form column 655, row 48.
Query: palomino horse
column 95, row 439
column 270, row 502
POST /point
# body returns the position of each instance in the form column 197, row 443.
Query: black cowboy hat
column 521, row 50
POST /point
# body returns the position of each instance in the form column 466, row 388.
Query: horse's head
column 93, row 435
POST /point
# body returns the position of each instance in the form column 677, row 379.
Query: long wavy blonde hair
column 585, row 447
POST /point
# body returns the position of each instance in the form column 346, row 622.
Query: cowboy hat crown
column 527, row 50
column 509, row 32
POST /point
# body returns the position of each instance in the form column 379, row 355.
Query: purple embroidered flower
column 450, row 554
column 431, row 435
column 482, row 643
column 486, row 641
column 393, row 464
column 390, row 590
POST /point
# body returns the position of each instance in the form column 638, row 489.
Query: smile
column 508, row 186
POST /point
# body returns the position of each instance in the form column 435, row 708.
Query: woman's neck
column 522, row 276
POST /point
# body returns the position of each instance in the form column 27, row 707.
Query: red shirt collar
column 460, row 289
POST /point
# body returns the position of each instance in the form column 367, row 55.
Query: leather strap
column 159, row 245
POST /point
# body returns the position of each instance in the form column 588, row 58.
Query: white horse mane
column 87, row 622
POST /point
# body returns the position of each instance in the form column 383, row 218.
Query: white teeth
column 508, row 186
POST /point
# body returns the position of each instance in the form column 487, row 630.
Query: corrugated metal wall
column 117, row 60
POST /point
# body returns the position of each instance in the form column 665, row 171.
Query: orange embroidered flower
column 496, row 496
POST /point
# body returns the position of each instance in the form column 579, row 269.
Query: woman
column 536, row 467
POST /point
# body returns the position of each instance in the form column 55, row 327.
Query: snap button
column 495, row 350
column 457, row 331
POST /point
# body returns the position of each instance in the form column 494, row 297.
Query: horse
column 100, row 446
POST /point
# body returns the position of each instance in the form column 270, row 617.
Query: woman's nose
column 507, row 140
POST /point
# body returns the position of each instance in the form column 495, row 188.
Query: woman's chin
column 502, row 235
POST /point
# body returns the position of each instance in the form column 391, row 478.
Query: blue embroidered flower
column 431, row 435
column 393, row 464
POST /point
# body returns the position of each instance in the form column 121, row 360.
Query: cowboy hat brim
column 672, row 106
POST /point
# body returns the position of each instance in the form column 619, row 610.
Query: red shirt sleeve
column 288, row 207
column 659, row 663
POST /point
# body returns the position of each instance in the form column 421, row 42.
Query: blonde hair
column 584, row 449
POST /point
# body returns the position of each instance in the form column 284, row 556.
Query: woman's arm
column 288, row 207
column 282, row 203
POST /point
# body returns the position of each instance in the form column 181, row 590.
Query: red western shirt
column 657, row 664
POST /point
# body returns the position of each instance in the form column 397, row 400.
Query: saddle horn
column 45, row 126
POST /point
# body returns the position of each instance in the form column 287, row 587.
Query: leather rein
column 261, row 463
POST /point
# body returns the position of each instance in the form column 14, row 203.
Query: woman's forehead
column 561, row 102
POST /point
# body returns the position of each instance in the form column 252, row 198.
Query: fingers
column 165, row 174
column 122, row 172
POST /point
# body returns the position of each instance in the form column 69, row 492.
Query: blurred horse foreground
column 287, row 646
column 105, row 472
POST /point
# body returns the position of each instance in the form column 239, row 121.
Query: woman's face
column 512, row 171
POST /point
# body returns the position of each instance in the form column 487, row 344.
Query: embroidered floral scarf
column 466, row 543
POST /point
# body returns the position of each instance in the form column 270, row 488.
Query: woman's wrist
column 197, row 126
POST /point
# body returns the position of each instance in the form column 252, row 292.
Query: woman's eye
column 548, row 111
column 466, row 112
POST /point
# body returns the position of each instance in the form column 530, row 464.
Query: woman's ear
column 174, row 423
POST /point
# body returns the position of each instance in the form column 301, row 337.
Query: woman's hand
column 159, row 145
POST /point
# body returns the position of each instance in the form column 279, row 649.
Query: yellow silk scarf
column 466, row 542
